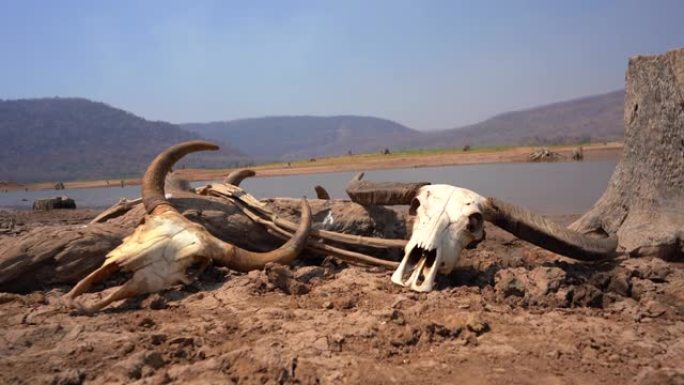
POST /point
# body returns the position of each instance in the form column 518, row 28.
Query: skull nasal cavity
column 414, row 206
column 474, row 222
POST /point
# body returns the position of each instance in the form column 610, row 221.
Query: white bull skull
column 448, row 219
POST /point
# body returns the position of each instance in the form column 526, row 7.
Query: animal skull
column 448, row 219
column 162, row 248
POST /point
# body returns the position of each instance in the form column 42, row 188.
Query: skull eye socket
column 475, row 222
column 415, row 203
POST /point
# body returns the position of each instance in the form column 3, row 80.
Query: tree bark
column 55, row 255
column 644, row 201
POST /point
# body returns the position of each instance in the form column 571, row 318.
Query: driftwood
column 57, row 255
column 544, row 155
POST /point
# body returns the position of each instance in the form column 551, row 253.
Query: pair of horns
column 155, row 202
column 518, row 221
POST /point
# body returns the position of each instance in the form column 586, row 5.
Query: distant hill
column 593, row 118
column 69, row 138
column 301, row 137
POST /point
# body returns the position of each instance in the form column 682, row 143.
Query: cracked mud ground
column 510, row 314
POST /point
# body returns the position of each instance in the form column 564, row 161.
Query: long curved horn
column 245, row 260
column 547, row 234
column 153, row 180
column 322, row 193
column 155, row 202
column 236, row 177
column 382, row 193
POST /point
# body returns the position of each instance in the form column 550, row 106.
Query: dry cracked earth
column 510, row 314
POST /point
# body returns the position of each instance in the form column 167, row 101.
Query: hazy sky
column 427, row 64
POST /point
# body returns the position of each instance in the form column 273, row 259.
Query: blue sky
column 427, row 64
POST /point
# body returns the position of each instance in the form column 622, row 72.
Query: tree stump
column 644, row 201
column 54, row 203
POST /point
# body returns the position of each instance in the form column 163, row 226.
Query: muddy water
column 551, row 188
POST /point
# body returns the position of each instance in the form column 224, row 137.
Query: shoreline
column 361, row 162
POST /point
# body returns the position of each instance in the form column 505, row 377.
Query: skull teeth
column 416, row 267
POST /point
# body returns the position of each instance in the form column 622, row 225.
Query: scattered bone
column 543, row 154
column 120, row 208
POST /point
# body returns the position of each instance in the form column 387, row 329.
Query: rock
column 476, row 325
column 546, row 280
column 586, row 295
column 402, row 302
column 392, row 315
column 158, row 339
column 307, row 273
column 321, row 344
column 619, row 283
column 132, row 366
column 147, row 322
column 437, row 332
column 155, row 302
column 655, row 270
column 511, row 282
column 154, row 360
column 281, row 277
column 335, row 342
column 663, row 376
column 641, row 288
column 404, row 337
column 652, row 309
column 69, row 377
column 54, row 203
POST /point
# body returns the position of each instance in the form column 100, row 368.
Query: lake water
column 549, row 188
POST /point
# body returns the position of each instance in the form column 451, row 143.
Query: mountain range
column 301, row 137
column 53, row 139
column 61, row 139
column 593, row 118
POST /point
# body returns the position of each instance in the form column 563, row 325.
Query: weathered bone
column 160, row 251
column 119, row 209
column 236, row 193
column 318, row 246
